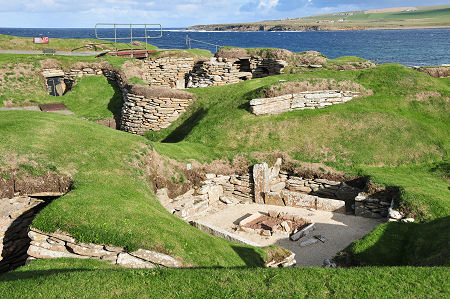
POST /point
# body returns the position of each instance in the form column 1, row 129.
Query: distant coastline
column 395, row 18
column 278, row 28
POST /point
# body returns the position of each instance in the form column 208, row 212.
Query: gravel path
column 340, row 230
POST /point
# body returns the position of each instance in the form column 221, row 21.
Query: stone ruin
column 21, row 200
column 301, row 101
column 273, row 223
column 221, row 71
column 273, row 186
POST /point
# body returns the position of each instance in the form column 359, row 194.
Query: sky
column 175, row 13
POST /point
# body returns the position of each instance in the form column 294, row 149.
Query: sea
column 415, row 47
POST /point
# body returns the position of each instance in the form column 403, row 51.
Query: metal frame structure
column 188, row 43
column 115, row 38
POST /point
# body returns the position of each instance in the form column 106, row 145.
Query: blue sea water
column 408, row 47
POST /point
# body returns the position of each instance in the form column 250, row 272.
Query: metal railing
column 188, row 43
column 115, row 38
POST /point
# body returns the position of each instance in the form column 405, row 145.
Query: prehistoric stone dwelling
column 160, row 103
column 277, row 187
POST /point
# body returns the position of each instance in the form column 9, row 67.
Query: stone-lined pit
column 283, row 198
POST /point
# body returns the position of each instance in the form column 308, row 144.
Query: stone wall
column 263, row 185
column 263, row 67
column 213, row 72
column 301, row 101
column 366, row 206
column 59, row 245
column 185, row 72
column 222, row 71
column 140, row 114
column 168, row 71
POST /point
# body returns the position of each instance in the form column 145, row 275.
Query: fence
column 131, row 37
column 188, row 43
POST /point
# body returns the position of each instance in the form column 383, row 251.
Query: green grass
column 393, row 244
column 396, row 137
column 66, row 278
column 9, row 42
column 112, row 203
column 195, row 53
column 92, row 97
column 392, row 127
column 424, row 17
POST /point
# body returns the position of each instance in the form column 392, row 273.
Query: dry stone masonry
column 222, row 71
column 59, row 244
column 140, row 114
column 168, row 71
column 264, row 185
column 301, row 101
column 213, row 72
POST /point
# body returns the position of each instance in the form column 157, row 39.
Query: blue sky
column 175, row 13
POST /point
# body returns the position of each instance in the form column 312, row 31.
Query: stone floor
column 338, row 229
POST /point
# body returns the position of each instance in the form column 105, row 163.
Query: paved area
column 339, row 230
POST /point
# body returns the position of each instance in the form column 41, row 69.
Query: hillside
column 9, row 42
column 397, row 136
column 403, row 18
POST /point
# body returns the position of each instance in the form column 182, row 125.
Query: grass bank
column 57, row 278
column 111, row 202
column 10, row 42
column 398, row 136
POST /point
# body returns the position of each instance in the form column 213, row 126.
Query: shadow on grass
column 186, row 127
column 250, row 257
column 115, row 103
column 401, row 244
column 33, row 274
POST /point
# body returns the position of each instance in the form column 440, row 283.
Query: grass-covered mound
column 21, row 83
column 398, row 136
column 404, row 122
column 92, row 97
column 10, row 42
column 86, row 279
column 197, row 54
column 111, row 203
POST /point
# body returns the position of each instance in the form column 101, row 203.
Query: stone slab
column 221, row 233
column 303, row 232
column 156, row 258
column 261, row 181
column 129, row 261
column 273, row 198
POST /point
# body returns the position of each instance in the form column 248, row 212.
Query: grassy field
column 111, row 202
column 398, row 137
column 86, row 279
column 424, row 17
column 9, row 42
column 21, row 83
